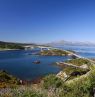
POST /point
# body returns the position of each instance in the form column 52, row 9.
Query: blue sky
column 47, row 20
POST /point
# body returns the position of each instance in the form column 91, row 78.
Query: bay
column 20, row 64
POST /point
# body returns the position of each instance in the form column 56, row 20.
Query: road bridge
column 40, row 47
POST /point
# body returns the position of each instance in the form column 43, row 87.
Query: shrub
column 52, row 81
column 78, row 61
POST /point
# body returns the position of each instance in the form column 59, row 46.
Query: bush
column 7, row 80
column 78, row 61
column 52, row 81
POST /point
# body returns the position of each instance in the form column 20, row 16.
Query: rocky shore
column 73, row 68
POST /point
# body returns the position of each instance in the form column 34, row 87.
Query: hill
column 11, row 45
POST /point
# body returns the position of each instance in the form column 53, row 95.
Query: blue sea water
column 85, row 51
column 20, row 63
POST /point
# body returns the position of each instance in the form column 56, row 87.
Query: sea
column 20, row 63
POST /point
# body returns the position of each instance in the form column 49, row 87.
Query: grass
column 78, row 61
column 7, row 80
column 75, row 71
column 51, row 81
column 79, row 88
column 54, row 52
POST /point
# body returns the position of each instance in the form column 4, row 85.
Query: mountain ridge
column 72, row 43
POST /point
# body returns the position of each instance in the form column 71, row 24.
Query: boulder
column 84, row 66
column 62, row 75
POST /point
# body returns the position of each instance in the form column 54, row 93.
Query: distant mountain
column 76, row 43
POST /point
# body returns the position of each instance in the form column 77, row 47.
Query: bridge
column 30, row 47
column 45, row 47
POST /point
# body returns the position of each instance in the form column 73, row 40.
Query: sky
column 43, row 21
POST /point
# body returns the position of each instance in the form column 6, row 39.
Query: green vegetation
column 23, row 91
column 54, row 52
column 52, row 81
column 74, row 72
column 83, row 87
column 70, row 70
column 78, row 61
column 7, row 80
column 5, row 45
column 54, row 87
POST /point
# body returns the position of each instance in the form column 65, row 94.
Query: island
column 58, row 52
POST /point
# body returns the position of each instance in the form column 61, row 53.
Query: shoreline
column 37, row 80
column 9, row 49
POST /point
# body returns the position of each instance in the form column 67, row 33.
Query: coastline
column 37, row 80
column 8, row 49
column 67, row 77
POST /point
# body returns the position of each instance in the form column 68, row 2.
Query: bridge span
column 30, row 47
